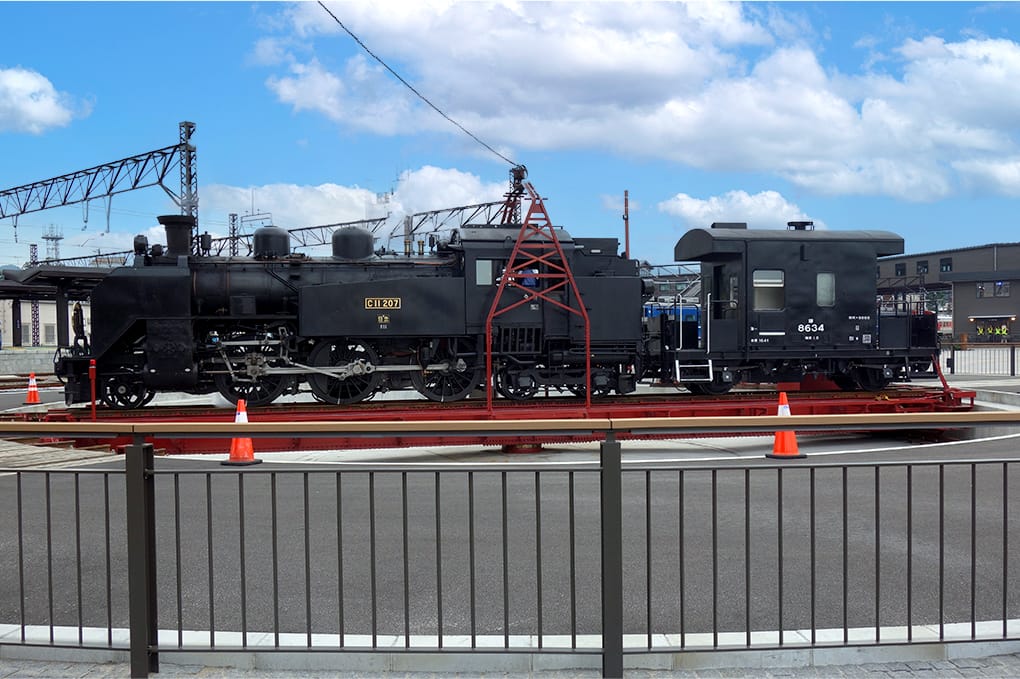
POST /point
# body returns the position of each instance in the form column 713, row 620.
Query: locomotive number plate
column 382, row 302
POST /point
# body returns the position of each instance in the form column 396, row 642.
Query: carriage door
column 724, row 332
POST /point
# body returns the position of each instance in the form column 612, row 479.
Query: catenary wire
column 411, row 87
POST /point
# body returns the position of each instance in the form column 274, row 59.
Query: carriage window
column 769, row 290
column 825, row 289
column 483, row 272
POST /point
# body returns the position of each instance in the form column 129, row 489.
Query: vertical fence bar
column 910, row 553
column 612, row 556
column 680, row 552
column 846, row 568
column 21, row 558
column 242, row 560
column 407, row 562
column 308, row 563
column 779, row 549
column 506, row 567
column 573, row 561
column 1005, row 544
column 715, row 559
column 973, row 551
column 209, row 537
column 538, row 557
column 276, row 559
column 942, row 551
column 648, row 557
column 373, row 576
column 813, row 558
column 141, row 541
column 109, row 560
column 1012, row 361
column 439, row 565
column 878, row 557
column 77, row 551
column 747, row 557
column 471, row 558
column 179, row 568
column 340, row 554
column 49, row 550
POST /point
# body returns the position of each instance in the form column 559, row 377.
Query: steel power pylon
column 127, row 174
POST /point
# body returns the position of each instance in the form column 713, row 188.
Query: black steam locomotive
column 776, row 305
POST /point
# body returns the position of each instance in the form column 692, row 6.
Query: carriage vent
column 520, row 340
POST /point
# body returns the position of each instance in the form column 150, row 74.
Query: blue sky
column 896, row 116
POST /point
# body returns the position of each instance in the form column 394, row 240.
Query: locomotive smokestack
column 178, row 233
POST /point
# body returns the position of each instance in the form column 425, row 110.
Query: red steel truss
column 537, row 254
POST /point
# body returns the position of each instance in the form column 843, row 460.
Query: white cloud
column 292, row 205
column 295, row 206
column 30, row 103
column 1002, row 175
column 701, row 84
column 763, row 210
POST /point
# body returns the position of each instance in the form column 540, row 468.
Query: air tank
column 352, row 243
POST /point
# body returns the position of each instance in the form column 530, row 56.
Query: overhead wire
column 411, row 87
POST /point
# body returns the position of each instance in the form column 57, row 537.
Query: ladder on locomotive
column 537, row 254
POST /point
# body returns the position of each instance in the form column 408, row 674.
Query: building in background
column 47, row 323
column 974, row 290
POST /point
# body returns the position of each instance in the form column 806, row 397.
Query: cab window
column 483, row 272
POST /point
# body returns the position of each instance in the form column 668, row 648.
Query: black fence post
column 1012, row 361
column 141, row 540
column 612, row 557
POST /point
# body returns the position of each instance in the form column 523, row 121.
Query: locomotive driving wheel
column 246, row 377
column 361, row 380
column 455, row 382
column 257, row 391
column 125, row 391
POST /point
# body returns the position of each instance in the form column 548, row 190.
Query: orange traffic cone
column 241, row 451
column 33, row 391
column 785, row 444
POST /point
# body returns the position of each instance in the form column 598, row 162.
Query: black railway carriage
column 778, row 305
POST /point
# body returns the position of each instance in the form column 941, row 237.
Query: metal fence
column 992, row 360
column 171, row 555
